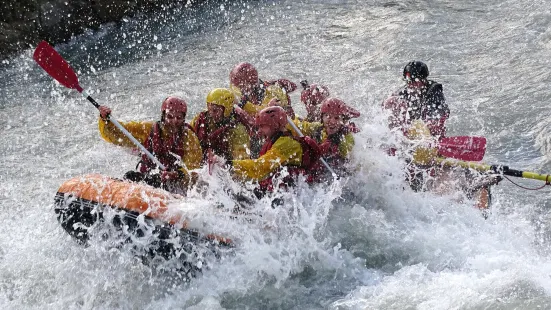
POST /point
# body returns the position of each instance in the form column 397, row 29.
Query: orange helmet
column 274, row 117
column 174, row 104
column 335, row 106
column 313, row 94
column 243, row 74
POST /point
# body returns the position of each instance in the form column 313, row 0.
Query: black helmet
column 416, row 69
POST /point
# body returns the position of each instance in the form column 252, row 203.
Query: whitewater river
column 382, row 247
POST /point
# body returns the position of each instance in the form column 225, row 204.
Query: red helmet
column 243, row 74
column 335, row 106
column 274, row 117
column 314, row 94
column 174, row 104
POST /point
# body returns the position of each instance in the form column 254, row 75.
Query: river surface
column 379, row 246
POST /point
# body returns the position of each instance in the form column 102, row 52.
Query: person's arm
column 193, row 123
column 286, row 151
column 193, row 153
column 111, row 134
column 244, row 118
column 307, row 128
column 438, row 111
column 252, row 108
column 240, row 142
column 191, row 160
column 398, row 110
column 346, row 145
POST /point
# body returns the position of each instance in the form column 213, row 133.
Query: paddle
column 290, row 121
column 462, row 147
column 505, row 170
column 58, row 68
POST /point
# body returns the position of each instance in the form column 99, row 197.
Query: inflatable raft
column 84, row 202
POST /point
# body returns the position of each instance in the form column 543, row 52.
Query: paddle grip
column 127, row 134
column 505, row 170
column 94, row 102
column 512, row 172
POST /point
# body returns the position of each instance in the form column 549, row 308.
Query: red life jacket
column 330, row 152
column 217, row 140
column 310, row 156
column 163, row 150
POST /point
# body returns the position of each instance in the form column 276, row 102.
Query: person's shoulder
column 239, row 128
column 200, row 114
column 286, row 140
column 400, row 92
column 141, row 125
column 349, row 137
column 435, row 85
column 189, row 132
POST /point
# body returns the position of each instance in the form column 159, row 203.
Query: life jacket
column 310, row 156
column 217, row 140
column 163, row 150
column 429, row 106
column 330, row 150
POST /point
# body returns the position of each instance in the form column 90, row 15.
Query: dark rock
column 23, row 23
column 113, row 11
column 53, row 13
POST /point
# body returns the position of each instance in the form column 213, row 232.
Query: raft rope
column 547, row 179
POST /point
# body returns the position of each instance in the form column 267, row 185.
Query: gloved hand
column 217, row 137
column 244, row 118
column 104, row 112
column 214, row 160
column 287, row 85
column 274, row 102
column 495, row 179
column 353, row 128
column 169, row 176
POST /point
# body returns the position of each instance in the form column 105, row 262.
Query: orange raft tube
column 80, row 202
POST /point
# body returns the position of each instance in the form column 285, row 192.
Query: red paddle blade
column 463, row 147
column 50, row 60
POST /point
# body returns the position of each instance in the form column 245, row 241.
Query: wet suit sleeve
column 193, row 122
column 191, row 160
column 307, row 128
column 397, row 108
column 111, row 134
column 193, row 153
column 285, row 151
column 346, row 145
column 240, row 142
column 252, row 108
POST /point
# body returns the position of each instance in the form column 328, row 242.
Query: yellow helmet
column 236, row 91
column 274, row 91
column 222, row 97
